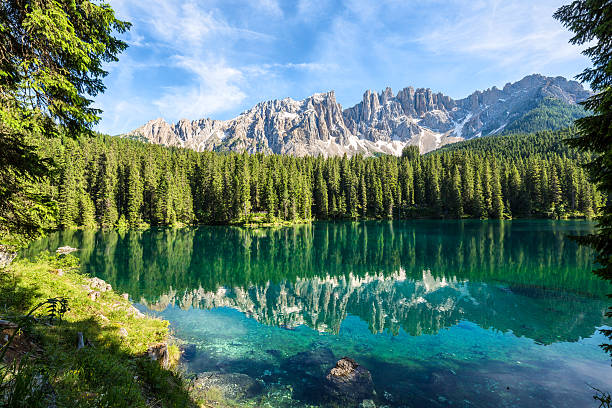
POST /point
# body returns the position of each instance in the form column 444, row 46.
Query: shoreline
column 102, row 350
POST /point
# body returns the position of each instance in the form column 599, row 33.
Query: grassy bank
column 263, row 220
column 42, row 364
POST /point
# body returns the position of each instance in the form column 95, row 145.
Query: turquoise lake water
column 442, row 313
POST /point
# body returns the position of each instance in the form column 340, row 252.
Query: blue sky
column 216, row 58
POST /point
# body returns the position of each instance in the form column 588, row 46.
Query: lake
column 442, row 313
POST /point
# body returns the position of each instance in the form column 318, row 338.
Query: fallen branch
column 7, row 324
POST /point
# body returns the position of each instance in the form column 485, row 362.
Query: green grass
column 113, row 371
column 264, row 220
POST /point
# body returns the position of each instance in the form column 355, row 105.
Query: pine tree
column 497, row 201
column 244, row 188
column 87, row 211
column 487, row 193
column 270, row 198
column 467, row 186
column 514, row 190
column 590, row 21
column 379, row 208
column 320, row 194
column 106, row 205
column 456, row 205
column 480, row 210
column 363, row 193
column 134, row 194
column 555, row 188
column 67, row 200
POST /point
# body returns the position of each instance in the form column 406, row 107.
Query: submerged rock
column 188, row 351
column 275, row 353
column 233, row 386
column 313, row 363
column 367, row 404
column 349, row 382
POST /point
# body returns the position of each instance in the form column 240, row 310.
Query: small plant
column 604, row 398
column 21, row 383
column 56, row 308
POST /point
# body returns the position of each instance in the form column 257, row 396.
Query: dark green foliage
column 116, row 182
column 547, row 144
column 51, row 57
column 591, row 22
column 548, row 114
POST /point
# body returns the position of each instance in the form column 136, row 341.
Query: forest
column 114, row 182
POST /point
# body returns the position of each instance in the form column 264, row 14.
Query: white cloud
column 217, row 89
column 197, row 58
column 270, row 6
column 125, row 114
column 190, row 40
column 299, row 66
column 505, row 33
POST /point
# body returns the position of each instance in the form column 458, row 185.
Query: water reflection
column 520, row 276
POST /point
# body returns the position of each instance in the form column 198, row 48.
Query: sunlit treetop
column 51, row 57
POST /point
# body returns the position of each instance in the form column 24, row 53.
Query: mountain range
column 382, row 123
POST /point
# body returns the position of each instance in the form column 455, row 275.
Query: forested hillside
column 545, row 144
column 109, row 181
column 548, row 114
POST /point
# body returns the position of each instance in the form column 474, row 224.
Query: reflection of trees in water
column 393, row 302
column 326, row 270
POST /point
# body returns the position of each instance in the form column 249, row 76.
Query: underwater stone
column 274, row 353
column 233, row 386
column 367, row 404
column 188, row 351
column 349, row 382
column 313, row 363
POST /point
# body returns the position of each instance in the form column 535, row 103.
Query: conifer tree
column 456, row 205
column 134, row 194
column 497, row 204
column 106, row 205
column 590, row 21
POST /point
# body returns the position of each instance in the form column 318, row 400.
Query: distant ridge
column 382, row 123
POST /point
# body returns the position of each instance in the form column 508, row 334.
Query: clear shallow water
column 461, row 313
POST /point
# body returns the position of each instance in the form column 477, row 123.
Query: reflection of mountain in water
column 388, row 303
column 421, row 276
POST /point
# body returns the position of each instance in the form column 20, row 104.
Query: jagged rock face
column 380, row 123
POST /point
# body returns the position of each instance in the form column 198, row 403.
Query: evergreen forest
column 115, row 182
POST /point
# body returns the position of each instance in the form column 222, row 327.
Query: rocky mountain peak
column 379, row 123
